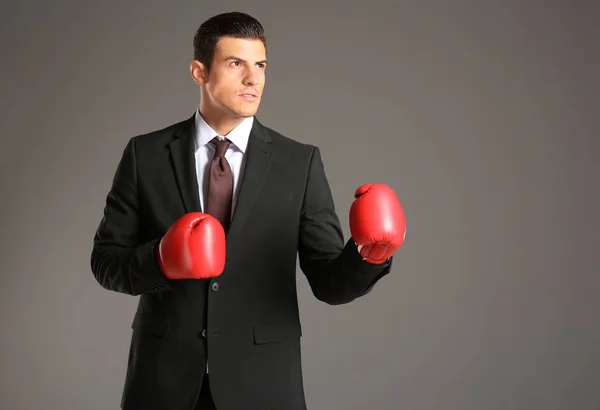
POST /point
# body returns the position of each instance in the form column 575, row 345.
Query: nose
column 251, row 78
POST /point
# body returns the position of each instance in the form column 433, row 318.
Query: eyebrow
column 232, row 57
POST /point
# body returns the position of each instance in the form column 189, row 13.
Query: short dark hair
column 231, row 24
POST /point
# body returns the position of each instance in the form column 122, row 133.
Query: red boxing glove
column 193, row 248
column 377, row 222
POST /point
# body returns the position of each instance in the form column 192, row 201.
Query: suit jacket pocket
column 276, row 333
column 155, row 325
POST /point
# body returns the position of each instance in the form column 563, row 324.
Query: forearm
column 345, row 277
column 128, row 270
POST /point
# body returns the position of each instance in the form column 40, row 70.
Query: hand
column 377, row 222
column 193, row 248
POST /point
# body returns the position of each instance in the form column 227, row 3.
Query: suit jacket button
column 204, row 333
column 215, row 286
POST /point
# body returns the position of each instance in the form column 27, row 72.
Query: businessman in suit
column 204, row 221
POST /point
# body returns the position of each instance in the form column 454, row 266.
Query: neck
column 222, row 123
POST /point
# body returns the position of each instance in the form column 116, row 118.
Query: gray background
column 482, row 115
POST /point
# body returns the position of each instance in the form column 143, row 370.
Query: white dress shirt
column 235, row 155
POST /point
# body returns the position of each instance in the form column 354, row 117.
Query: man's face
column 236, row 80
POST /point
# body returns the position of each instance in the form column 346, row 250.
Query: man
column 204, row 221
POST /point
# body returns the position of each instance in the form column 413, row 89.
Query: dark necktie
column 220, row 185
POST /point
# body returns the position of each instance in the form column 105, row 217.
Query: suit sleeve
column 336, row 272
column 119, row 261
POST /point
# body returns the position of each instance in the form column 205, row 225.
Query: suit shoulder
column 290, row 144
column 159, row 135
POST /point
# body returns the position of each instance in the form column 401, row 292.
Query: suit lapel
column 259, row 156
column 184, row 164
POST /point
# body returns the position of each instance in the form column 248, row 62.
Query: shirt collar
column 238, row 136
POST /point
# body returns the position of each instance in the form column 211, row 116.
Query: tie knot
column 221, row 146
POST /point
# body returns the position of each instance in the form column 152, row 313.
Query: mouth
column 249, row 96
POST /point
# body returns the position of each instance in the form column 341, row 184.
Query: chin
column 245, row 113
column 245, row 109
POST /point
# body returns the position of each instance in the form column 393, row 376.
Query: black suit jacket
column 245, row 321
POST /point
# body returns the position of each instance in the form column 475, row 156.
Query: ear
column 198, row 72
